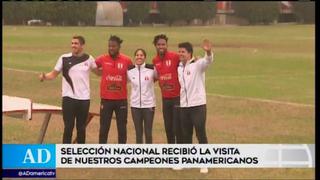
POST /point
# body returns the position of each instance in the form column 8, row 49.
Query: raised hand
column 207, row 46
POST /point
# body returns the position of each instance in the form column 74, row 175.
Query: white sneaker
column 177, row 168
column 204, row 170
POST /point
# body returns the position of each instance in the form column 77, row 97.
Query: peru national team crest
column 120, row 65
column 168, row 62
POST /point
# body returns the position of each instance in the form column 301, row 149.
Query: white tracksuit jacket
column 142, row 86
column 192, row 81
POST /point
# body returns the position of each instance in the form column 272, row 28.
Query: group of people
column 181, row 78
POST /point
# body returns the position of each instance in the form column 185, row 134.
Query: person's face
column 76, row 46
column 140, row 57
column 113, row 48
column 184, row 55
column 161, row 46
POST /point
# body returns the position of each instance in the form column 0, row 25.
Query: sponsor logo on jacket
column 166, row 77
column 167, row 87
column 114, row 87
column 114, row 78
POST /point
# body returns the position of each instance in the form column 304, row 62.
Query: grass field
column 260, row 89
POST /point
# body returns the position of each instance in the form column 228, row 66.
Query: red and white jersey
column 167, row 74
column 192, row 81
column 113, row 84
column 75, row 71
column 142, row 86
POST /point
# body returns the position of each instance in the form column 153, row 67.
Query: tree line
column 72, row 13
column 57, row 13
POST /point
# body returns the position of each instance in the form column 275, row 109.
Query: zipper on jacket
column 139, row 84
column 184, row 82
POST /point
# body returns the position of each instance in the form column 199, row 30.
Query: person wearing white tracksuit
column 191, row 74
column 142, row 98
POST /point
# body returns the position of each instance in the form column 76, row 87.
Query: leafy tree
column 305, row 11
column 138, row 11
column 14, row 12
column 60, row 13
column 206, row 10
column 88, row 15
column 187, row 10
column 257, row 12
column 174, row 11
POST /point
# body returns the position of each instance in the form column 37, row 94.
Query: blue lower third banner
column 34, row 161
column 185, row 155
column 29, row 160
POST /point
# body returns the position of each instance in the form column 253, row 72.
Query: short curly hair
column 116, row 39
column 160, row 36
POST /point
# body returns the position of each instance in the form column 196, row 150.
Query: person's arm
column 48, row 76
column 155, row 75
column 94, row 67
column 97, row 71
column 207, row 47
column 54, row 73
column 128, row 77
column 208, row 58
column 155, row 72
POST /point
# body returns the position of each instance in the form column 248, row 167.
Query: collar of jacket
column 141, row 66
column 192, row 60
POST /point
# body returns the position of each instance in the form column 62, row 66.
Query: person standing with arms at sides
column 166, row 64
column 193, row 94
column 113, row 90
column 142, row 99
column 75, row 68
